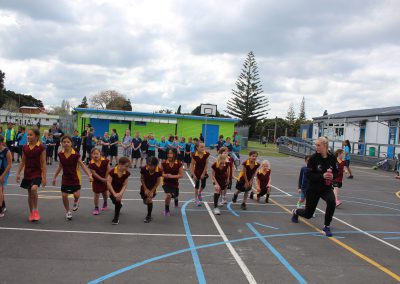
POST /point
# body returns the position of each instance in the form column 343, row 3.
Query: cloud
column 337, row 55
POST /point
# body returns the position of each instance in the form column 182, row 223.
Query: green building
column 156, row 123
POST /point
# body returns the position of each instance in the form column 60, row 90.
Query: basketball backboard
column 208, row 109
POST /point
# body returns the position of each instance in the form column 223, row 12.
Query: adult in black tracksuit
column 322, row 171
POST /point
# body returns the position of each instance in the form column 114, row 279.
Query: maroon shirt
column 221, row 175
column 118, row 181
column 33, row 168
column 200, row 163
column 340, row 169
column 150, row 179
column 263, row 178
column 249, row 171
column 71, row 172
column 101, row 169
column 172, row 170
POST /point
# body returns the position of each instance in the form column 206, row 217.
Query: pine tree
column 84, row 103
column 302, row 112
column 248, row 103
column 291, row 116
column 325, row 112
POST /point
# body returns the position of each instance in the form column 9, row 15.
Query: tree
column 102, row 99
column 325, row 112
column 84, row 103
column 2, row 78
column 248, row 104
column 166, row 111
column 291, row 116
column 302, row 112
column 64, row 109
column 178, row 110
column 120, row 103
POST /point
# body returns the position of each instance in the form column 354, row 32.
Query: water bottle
column 328, row 182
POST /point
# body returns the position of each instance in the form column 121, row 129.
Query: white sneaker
column 69, row 215
column 216, row 211
column 314, row 215
column 75, row 207
column 221, row 204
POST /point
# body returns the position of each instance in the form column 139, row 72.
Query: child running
column 263, row 182
column 303, row 183
column 5, row 166
column 229, row 161
column 150, row 177
column 172, row 171
column 117, row 182
column 198, row 168
column 70, row 160
column 220, row 178
column 100, row 167
column 245, row 179
column 338, row 181
column 34, row 164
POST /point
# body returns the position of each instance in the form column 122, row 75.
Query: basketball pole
column 205, row 131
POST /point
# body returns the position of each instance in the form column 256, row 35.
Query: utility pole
column 276, row 118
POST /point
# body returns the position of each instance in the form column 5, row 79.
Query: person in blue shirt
column 188, row 152
column 76, row 141
column 136, row 151
column 170, row 142
column 347, row 151
column 228, row 144
column 220, row 142
column 44, row 138
column 236, row 148
column 303, row 183
column 152, row 146
column 50, row 144
column 162, row 149
column 114, row 146
column 5, row 167
column 181, row 148
column 22, row 139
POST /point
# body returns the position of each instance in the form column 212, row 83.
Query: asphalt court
column 259, row 245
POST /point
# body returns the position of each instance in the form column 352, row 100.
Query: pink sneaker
column 95, row 211
column 104, row 208
column 338, row 203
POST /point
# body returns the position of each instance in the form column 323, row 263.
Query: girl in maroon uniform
column 220, row 177
column 70, row 161
column 245, row 179
column 229, row 161
column 150, row 177
column 34, row 164
column 263, row 182
column 99, row 167
column 338, row 181
column 117, row 182
column 198, row 167
column 172, row 171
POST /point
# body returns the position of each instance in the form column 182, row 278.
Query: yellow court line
column 350, row 249
column 398, row 194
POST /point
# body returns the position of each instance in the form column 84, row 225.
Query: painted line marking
column 262, row 225
column 250, row 278
column 163, row 256
column 287, row 194
column 229, row 207
column 242, row 265
column 196, row 260
column 375, row 205
column 377, row 201
column 350, row 249
column 285, row 263
column 392, row 238
column 362, row 231
column 103, row 233
column 398, row 194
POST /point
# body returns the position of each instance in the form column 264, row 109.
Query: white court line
column 242, row 265
column 363, row 232
column 102, row 233
column 277, row 188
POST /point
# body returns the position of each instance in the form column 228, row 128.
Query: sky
column 338, row 55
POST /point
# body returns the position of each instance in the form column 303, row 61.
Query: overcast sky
column 339, row 55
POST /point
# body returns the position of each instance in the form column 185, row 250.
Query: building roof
column 159, row 115
column 363, row 113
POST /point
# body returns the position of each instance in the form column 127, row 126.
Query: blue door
column 210, row 133
column 100, row 126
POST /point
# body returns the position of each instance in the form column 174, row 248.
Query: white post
column 205, row 131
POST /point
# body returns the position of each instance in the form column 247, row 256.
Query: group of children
column 113, row 182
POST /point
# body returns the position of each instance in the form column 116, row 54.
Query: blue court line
column 287, row 265
column 366, row 199
column 392, row 238
column 199, row 270
column 229, row 207
column 262, row 225
column 375, row 205
column 156, row 258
